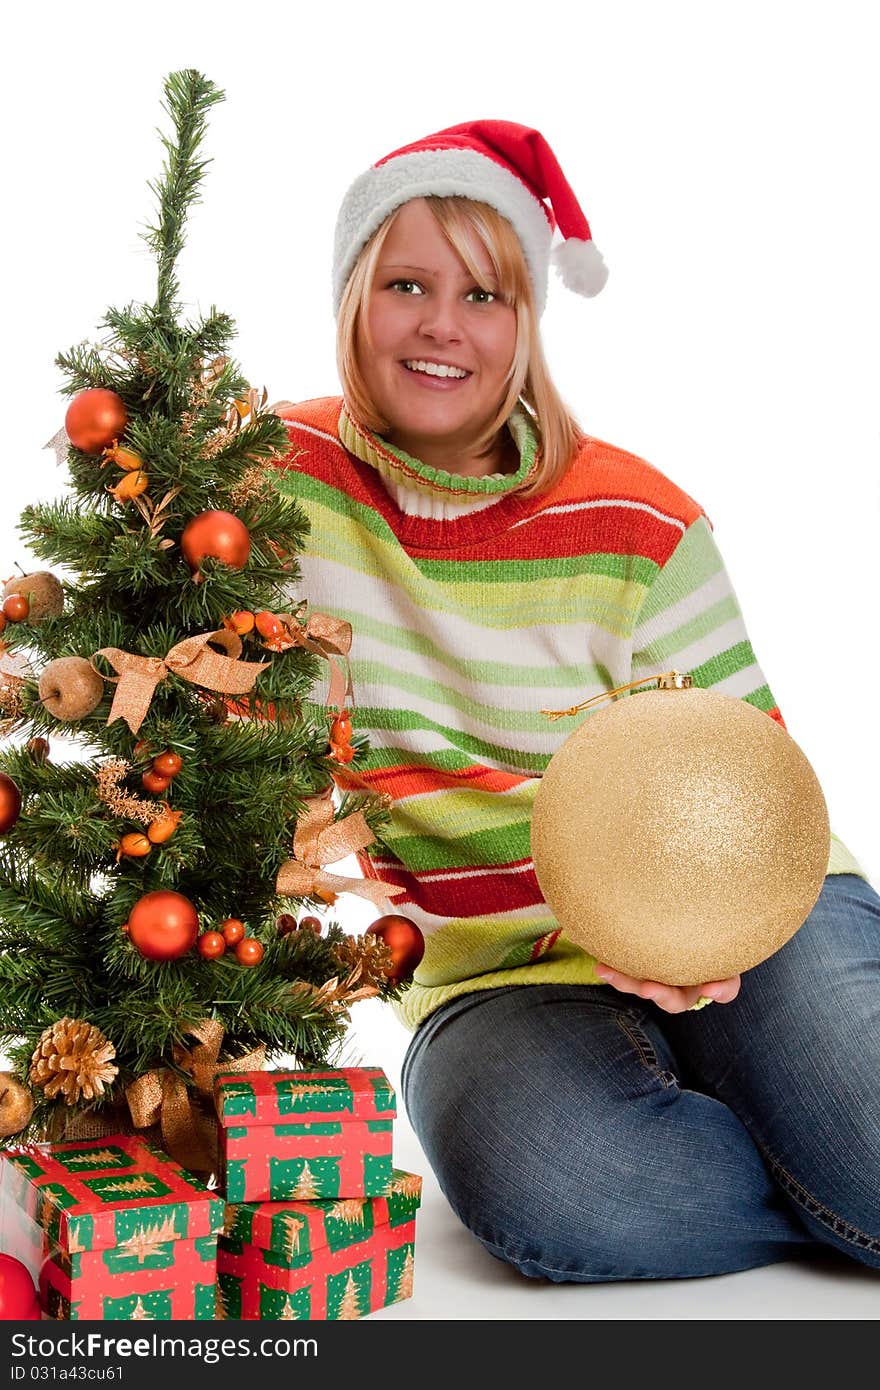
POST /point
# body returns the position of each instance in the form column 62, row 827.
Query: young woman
column 494, row 559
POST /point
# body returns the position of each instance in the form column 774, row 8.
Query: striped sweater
column 472, row 608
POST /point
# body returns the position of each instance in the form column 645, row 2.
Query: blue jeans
column 585, row 1135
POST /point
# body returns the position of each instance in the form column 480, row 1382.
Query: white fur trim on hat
column 465, row 173
column 580, row 266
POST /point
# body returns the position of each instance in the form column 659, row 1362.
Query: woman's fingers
column 671, row 998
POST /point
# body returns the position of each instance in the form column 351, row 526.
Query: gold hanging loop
column 667, row 680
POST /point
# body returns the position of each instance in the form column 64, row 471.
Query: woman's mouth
column 430, row 379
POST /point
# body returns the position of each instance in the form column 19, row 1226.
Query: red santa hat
column 509, row 166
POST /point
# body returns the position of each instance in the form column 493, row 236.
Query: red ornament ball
column 163, row 925
column 249, row 951
column 10, row 803
column 94, row 419
column 211, row 945
column 219, row 534
column 18, row 1297
column 311, row 924
column 233, row 930
column 404, row 940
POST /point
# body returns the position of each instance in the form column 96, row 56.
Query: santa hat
column 509, row 166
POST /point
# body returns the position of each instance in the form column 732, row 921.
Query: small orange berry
column 233, row 930
column 240, row 622
column 16, row 607
column 211, row 945
column 153, row 782
column 167, row 764
column 249, row 951
column 267, row 624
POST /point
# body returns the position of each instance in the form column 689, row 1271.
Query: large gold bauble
column 680, row 835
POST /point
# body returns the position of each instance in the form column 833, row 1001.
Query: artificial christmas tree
column 125, row 987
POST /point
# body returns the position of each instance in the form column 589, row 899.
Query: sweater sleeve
column 690, row 620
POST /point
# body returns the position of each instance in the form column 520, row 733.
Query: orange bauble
column 403, row 939
column 10, row 803
column 94, row 419
column 218, row 534
column 163, row 925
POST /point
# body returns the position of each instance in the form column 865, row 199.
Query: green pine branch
column 67, row 889
column 189, row 97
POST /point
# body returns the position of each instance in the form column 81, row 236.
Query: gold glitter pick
column 668, row 680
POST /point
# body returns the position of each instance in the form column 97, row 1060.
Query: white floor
column 455, row 1279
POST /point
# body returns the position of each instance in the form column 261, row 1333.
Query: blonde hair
column 529, row 380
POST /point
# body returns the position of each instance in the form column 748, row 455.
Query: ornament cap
column 674, row 680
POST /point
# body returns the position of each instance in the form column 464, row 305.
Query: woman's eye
column 406, row 286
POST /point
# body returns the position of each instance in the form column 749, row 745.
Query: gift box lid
column 97, row 1194
column 296, row 1230
column 271, row 1097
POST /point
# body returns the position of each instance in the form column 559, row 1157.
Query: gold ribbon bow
column 192, row 659
column 327, row 637
column 162, row 1095
column 317, row 840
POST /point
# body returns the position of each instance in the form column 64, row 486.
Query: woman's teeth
column 434, row 369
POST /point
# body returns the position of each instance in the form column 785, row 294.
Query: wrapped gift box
column 111, row 1228
column 305, row 1134
column 319, row 1260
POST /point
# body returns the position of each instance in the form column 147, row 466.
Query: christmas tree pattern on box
column 324, row 1260
column 306, row 1135
column 112, row 1228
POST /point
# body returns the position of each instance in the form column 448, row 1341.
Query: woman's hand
column 670, row 998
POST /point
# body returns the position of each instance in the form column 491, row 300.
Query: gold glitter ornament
column 680, row 835
column 16, row 1105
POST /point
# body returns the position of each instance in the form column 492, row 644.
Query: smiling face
column 426, row 308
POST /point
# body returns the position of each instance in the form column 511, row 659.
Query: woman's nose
column 441, row 318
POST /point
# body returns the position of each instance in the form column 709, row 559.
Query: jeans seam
column 646, row 1054
column 815, row 1208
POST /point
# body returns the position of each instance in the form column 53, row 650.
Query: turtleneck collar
column 406, row 474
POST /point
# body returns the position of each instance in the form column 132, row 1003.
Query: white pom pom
column 580, row 266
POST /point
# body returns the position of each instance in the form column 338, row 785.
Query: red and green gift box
column 319, row 1259
column 306, row 1135
column 111, row 1228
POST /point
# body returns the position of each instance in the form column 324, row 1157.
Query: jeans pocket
column 629, row 1022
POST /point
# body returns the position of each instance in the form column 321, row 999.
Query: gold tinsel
column 253, row 486
column 109, row 775
column 11, row 704
column 73, row 1059
column 366, row 958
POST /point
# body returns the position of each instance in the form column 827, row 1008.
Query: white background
column 725, row 156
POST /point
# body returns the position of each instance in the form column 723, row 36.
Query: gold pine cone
column 366, row 958
column 73, row 1059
